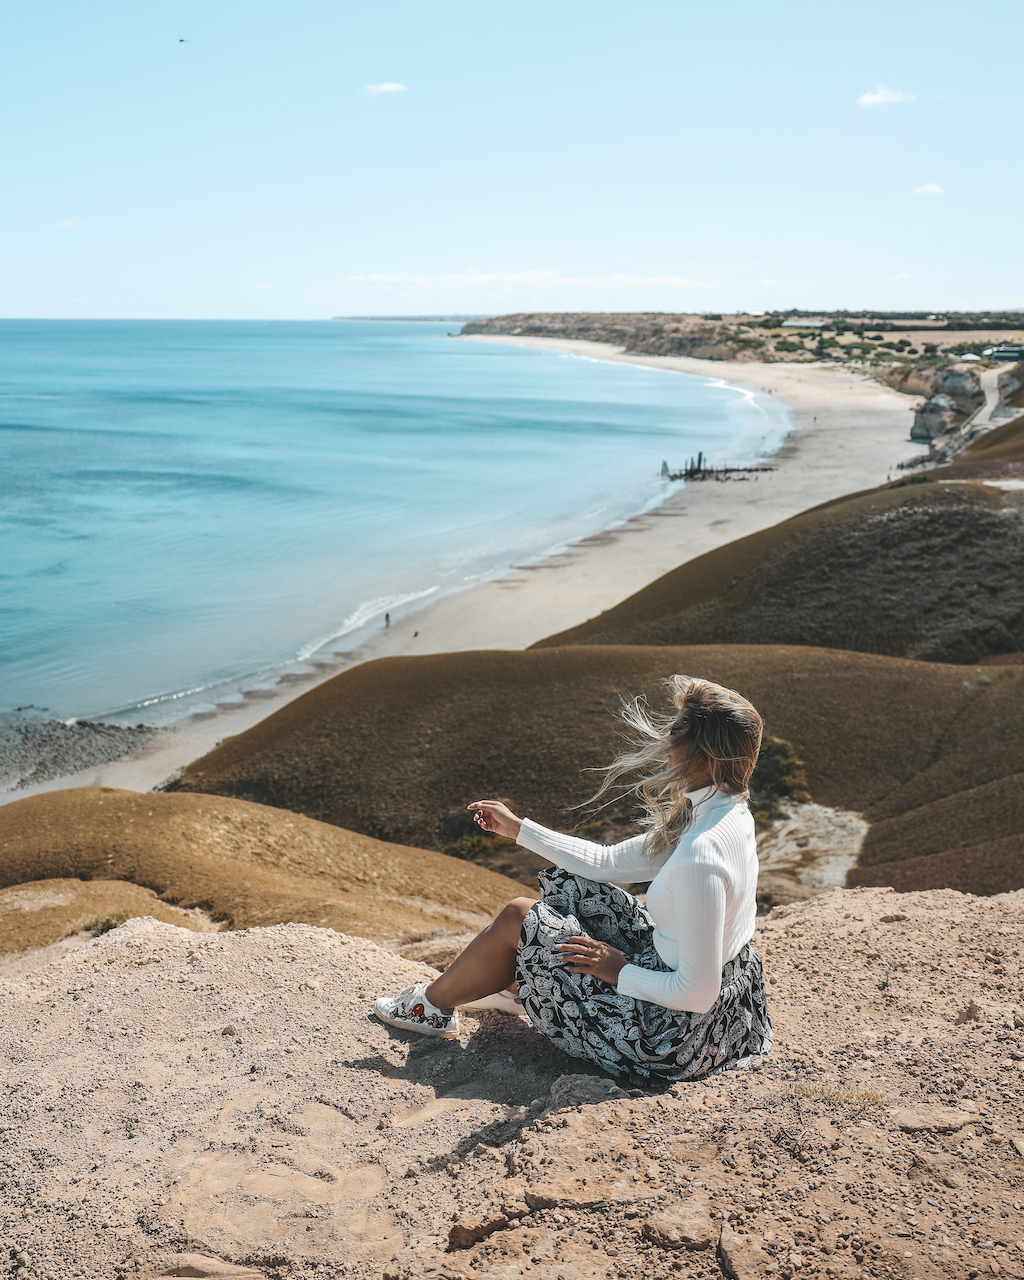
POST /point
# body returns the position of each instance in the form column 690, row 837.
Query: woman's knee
column 514, row 913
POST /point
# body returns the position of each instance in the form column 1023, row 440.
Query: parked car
column 1004, row 351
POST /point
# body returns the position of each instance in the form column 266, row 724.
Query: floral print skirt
column 635, row 1041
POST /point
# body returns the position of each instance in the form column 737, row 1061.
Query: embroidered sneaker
column 505, row 1001
column 412, row 1011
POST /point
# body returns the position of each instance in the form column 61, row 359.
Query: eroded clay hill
column 930, row 567
column 225, row 1105
column 71, row 857
column 931, row 754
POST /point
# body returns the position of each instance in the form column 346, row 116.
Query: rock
column 930, row 1119
column 683, row 1225
column 742, row 1257
column 583, row 1193
column 1010, row 384
column 577, row 1091
column 230, row 1030
column 1018, row 1145
column 466, row 1231
column 195, row 1264
column 961, row 385
column 938, row 415
column 970, row 1013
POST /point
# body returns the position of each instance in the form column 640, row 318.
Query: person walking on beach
column 670, row 991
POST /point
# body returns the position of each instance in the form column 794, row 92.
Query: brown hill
column 245, row 864
column 931, row 754
column 930, row 570
column 998, row 454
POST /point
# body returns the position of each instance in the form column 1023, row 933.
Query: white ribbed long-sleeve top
column 702, row 899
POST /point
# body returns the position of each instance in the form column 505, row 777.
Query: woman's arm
column 699, row 927
column 625, row 861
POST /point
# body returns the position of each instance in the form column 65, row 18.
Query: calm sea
column 190, row 508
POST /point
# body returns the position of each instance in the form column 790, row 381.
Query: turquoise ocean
column 189, row 509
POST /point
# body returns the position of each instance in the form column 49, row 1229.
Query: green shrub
column 475, row 845
column 779, row 775
column 103, row 924
column 784, row 344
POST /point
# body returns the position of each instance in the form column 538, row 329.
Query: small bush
column 475, row 845
column 779, row 775
column 784, row 344
column 103, row 924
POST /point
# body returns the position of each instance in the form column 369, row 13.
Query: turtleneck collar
column 710, row 794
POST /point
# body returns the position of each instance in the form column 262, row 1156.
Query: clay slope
column 930, row 754
column 224, row 1105
column 242, row 863
column 931, row 570
column 998, row 454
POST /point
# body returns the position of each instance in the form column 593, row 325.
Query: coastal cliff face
column 642, row 333
column 1011, row 392
column 952, row 395
column 938, row 415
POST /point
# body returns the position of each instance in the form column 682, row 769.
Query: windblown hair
column 715, row 735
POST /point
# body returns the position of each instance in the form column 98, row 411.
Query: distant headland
column 870, row 338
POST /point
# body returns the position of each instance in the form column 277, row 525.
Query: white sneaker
column 504, row 1001
column 412, row 1011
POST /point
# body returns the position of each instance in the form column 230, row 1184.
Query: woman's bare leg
column 487, row 965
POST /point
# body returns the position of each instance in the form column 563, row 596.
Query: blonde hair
column 714, row 735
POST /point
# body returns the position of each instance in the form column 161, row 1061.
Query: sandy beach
column 849, row 434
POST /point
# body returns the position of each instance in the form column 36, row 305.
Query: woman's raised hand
column 492, row 815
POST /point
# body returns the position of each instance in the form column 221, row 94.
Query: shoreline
column 850, row 432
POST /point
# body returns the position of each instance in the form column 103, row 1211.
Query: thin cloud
column 769, row 282
column 386, row 86
column 880, row 95
column 522, row 277
column 929, row 189
column 266, row 286
column 903, row 275
column 69, row 225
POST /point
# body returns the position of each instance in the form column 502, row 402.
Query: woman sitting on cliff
column 673, row 991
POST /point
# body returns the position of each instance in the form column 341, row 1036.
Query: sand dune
column 930, row 754
column 931, row 567
column 244, row 864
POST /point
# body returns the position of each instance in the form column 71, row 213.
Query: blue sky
column 556, row 156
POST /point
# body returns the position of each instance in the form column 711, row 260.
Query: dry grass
column 999, row 452
column 927, row 571
column 920, row 748
column 853, row 1102
column 42, row 909
column 103, row 853
column 100, row 925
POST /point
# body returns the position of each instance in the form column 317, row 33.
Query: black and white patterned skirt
column 633, row 1040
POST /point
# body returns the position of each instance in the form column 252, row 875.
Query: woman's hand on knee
column 587, row 955
column 492, row 815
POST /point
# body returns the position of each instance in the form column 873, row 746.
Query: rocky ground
column 179, row 1103
column 33, row 751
